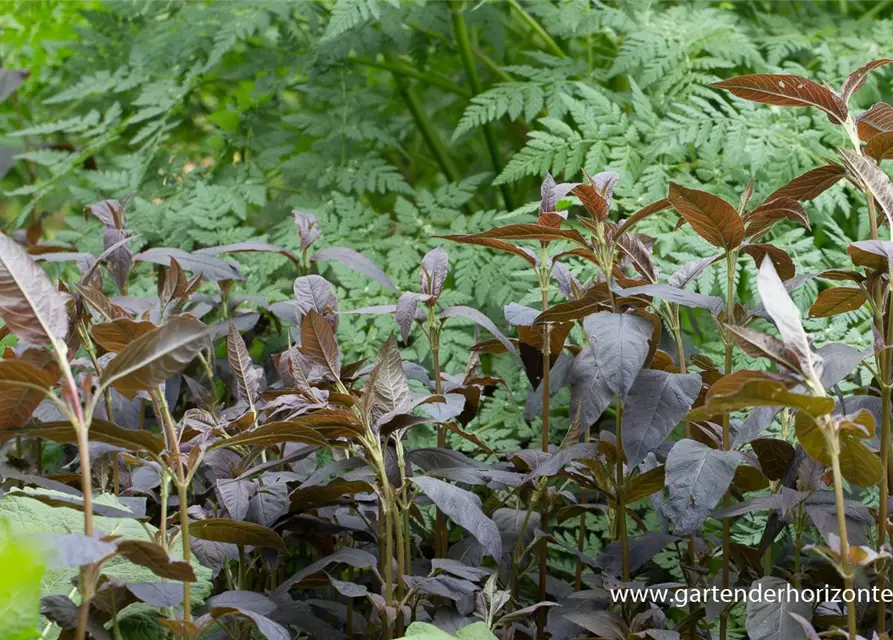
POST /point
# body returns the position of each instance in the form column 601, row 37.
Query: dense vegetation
column 292, row 350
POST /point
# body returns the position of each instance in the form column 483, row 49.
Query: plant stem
column 440, row 525
column 182, row 488
column 731, row 266
column 846, row 565
column 537, row 28
column 388, row 559
column 426, row 128
column 622, row 534
column 460, row 31
column 411, row 72
column 542, row 614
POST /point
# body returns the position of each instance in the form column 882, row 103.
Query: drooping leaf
column 251, row 247
column 657, row 402
column 697, row 477
column 32, row 308
column 745, row 388
column 877, row 119
column 837, row 300
column 710, row 216
column 492, row 243
column 235, row 532
column 770, row 618
column 880, row 147
column 781, row 260
column 762, row 345
column 318, row 343
column 479, row 318
column 209, row 267
column 645, row 484
column 269, row 629
column 100, row 431
column 678, row 296
column 641, row 550
column 241, row 365
column 115, row 335
column 463, row 508
column 152, row 556
column 775, row 456
column 620, row 345
column 355, row 261
column 593, row 300
column 873, row 178
column 405, row 312
column 527, row 231
column 786, row 91
column 297, row 430
column 151, row 359
column 24, row 383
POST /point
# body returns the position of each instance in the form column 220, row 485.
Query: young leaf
column 711, row 217
column 151, row 359
column 463, row 508
column 697, row 477
column 857, row 78
column 836, row 300
column 433, row 272
column 810, row 185
column 241, row 365
column 657, row 402
column 319, row 345
column 786, row 91
column 235, row 532
column 31, row 306
column 620, row 343
column 405, row 313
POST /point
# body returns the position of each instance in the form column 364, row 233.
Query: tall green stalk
column 460, row 31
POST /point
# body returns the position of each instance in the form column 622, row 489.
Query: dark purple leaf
column 619, row 345
column 433, row 272
column 356, row 261
column 209, row 267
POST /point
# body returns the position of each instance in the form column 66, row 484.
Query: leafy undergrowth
column 188, row 461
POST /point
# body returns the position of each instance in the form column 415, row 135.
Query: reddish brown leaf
column 784, row 266
column 527, row 231
column 872, row 178
column 318, row 343
column 710, row 216
column 832, row 302
column 857, row 78
column 643, row 213
column 761, row 220
column 878, row 119
column 114, row 336
column 235, row 532
column 240, row 362
column 786, row 91
column 811, row 184
column 880, row 146
column 492, row 243
column 24, row 384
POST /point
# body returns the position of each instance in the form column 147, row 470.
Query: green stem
column 426, row 128
column 460, row 31
column 537, row 28
column 547, row 391
column 411, row 72
column 846, row 565
column 622, row 533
